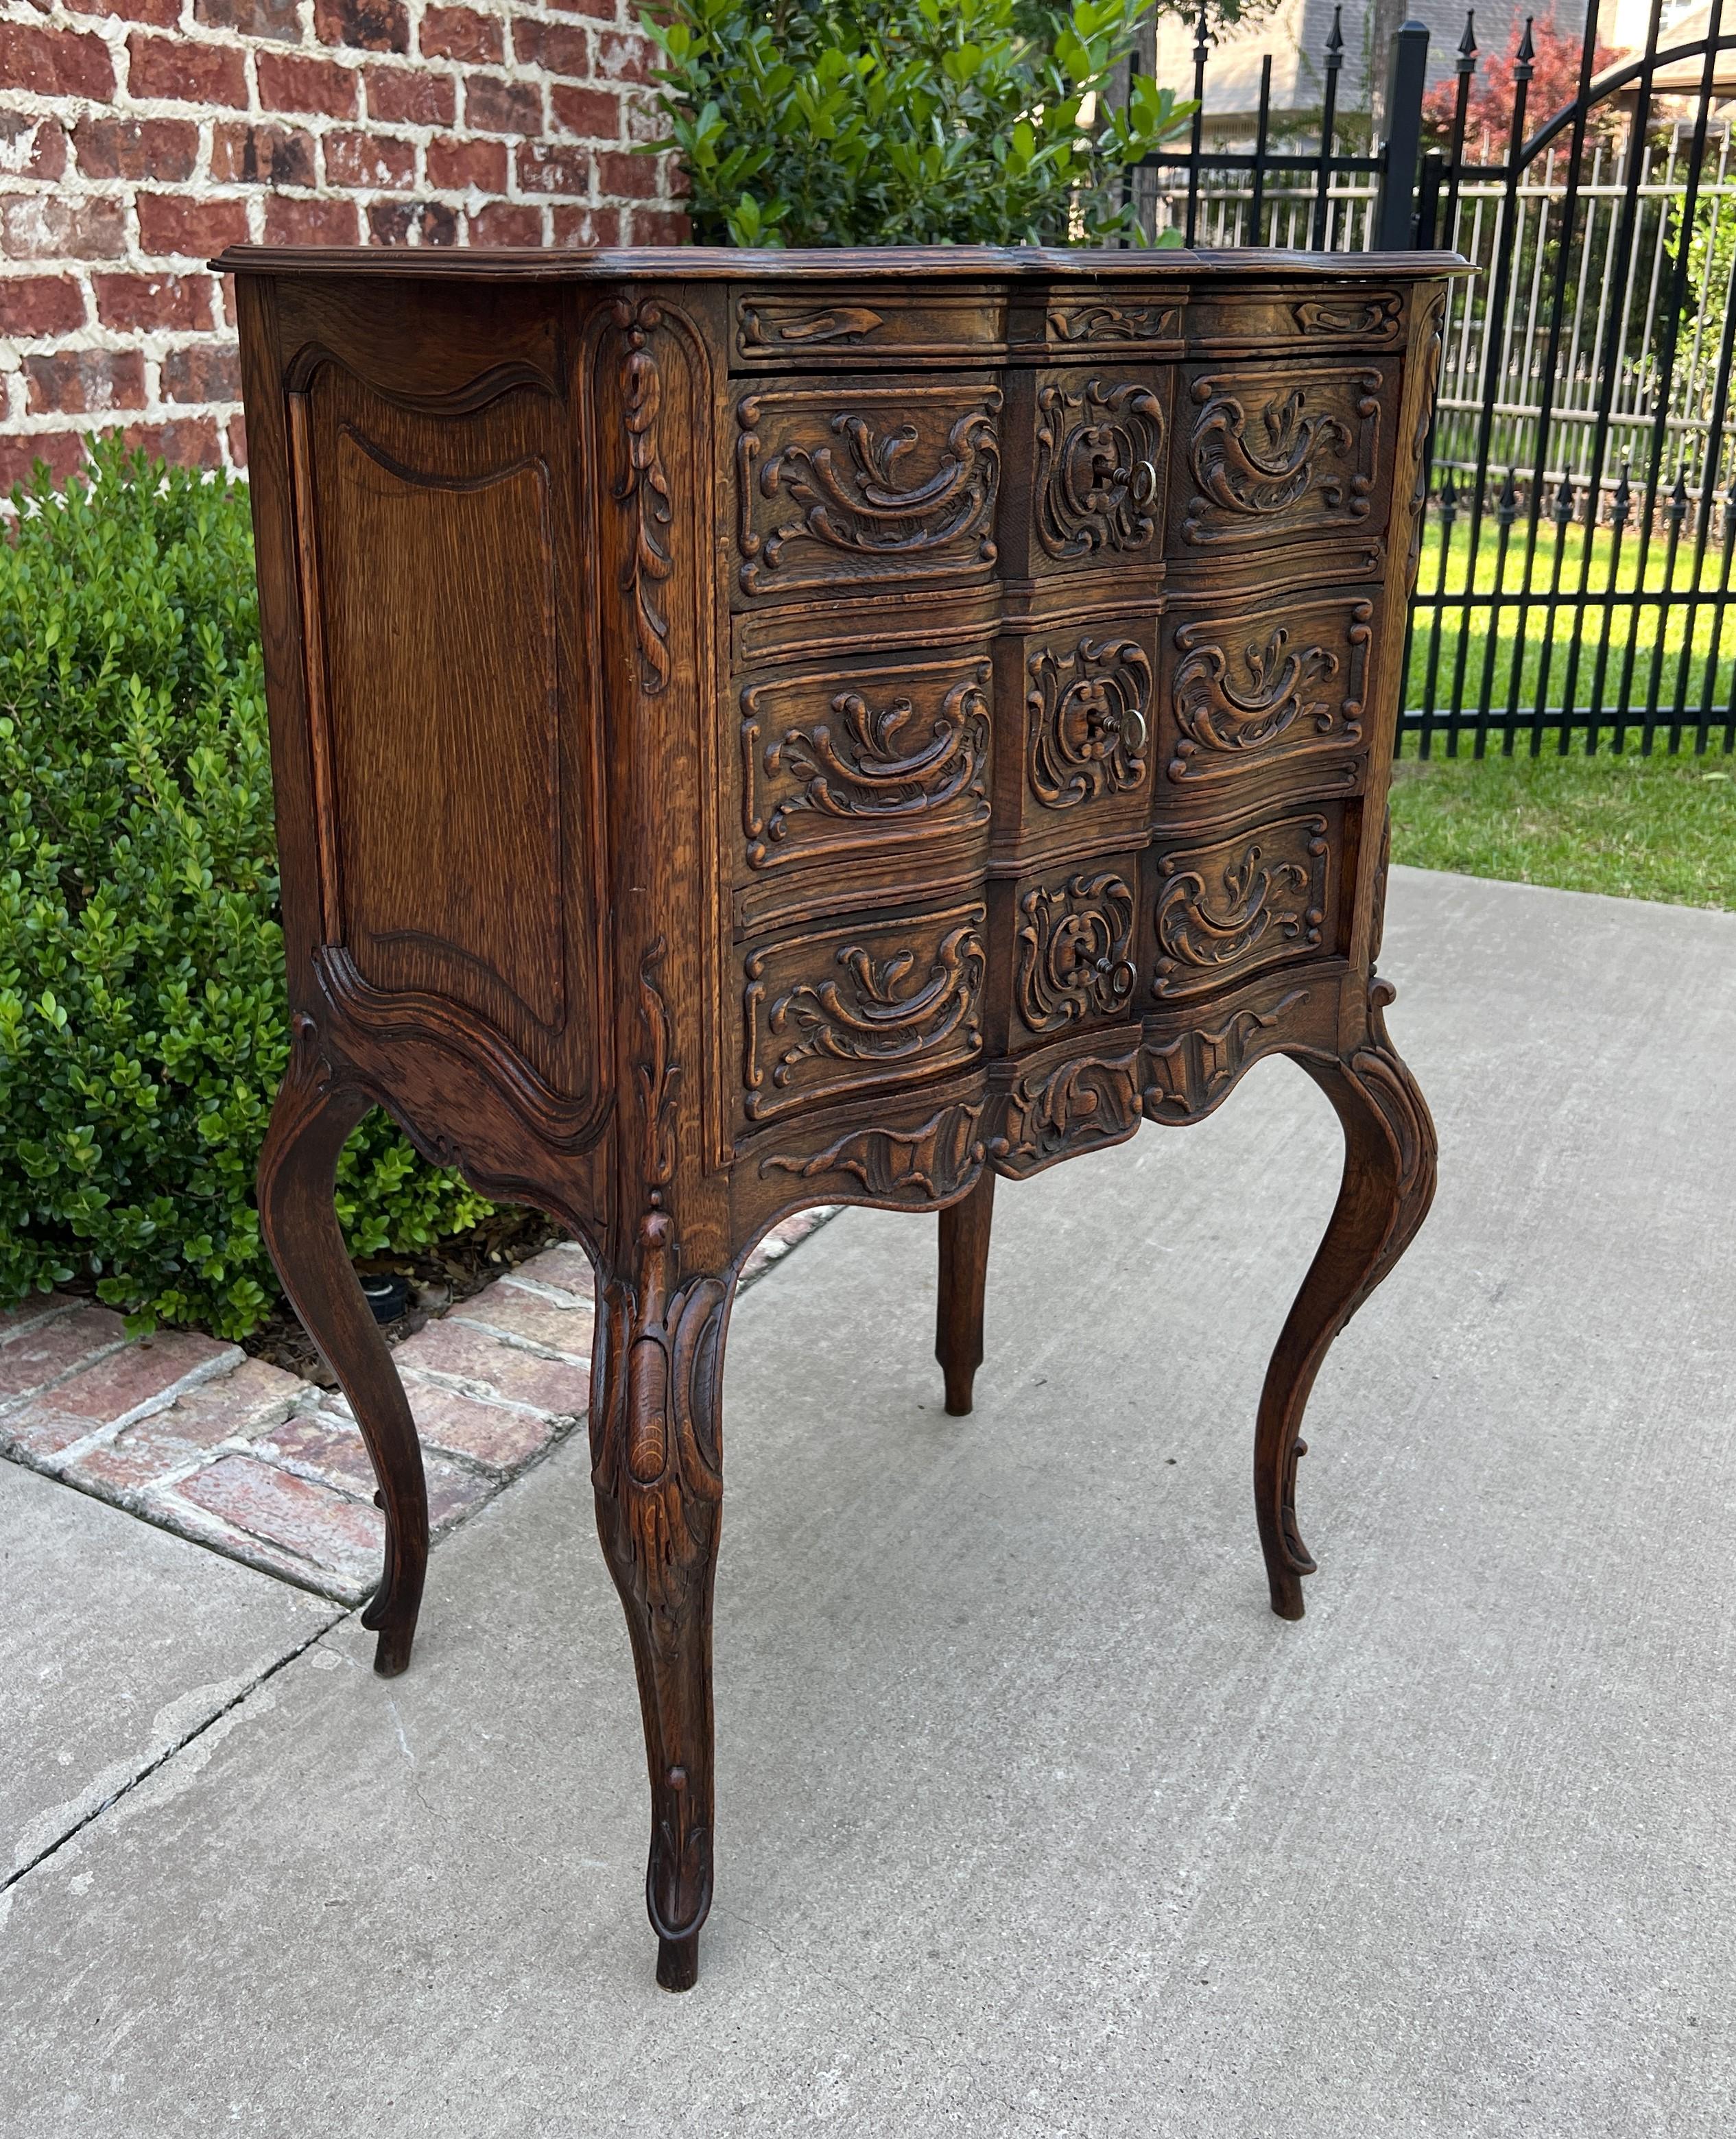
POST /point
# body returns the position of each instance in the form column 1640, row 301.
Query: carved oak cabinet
column 752, row 730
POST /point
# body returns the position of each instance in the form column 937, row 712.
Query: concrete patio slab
column 1032, row 1819
column 118, row 1643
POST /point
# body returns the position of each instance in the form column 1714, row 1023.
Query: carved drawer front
column 1192, row 1059
column 844, row 765
column 1232, row 905
column 1075, row 932
column 841, row 484
column 1275, row 684
column 861, row 1003
column 867, row 327
column 1090, row 721
column 1099, row 476
column 1312, row 322
column 1073, row 1097
column 1273, row 453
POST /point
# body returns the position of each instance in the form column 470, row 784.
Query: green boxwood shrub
column 143, row 1018
column 908, row 122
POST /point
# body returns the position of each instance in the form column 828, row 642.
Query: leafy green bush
column 143, row 1020
column 906, row 122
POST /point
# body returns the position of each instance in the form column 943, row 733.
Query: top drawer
column 847, row 485
column 1305, row 322
column 775, row 329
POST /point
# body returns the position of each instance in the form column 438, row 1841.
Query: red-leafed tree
column 1554, row 83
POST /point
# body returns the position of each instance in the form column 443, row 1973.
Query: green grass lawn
column 1661, row 652
column 1657, row 827
column 1640, row 827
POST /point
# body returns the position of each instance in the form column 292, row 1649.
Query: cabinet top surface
column 939, row 263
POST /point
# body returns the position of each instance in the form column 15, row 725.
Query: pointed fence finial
column 1621, row 502
column 1467, row 42
column 1526, row 54
column 1677, row 509
column 1450, row 499
column 1335, row 42
column 1563, row 510
column 1508, row 504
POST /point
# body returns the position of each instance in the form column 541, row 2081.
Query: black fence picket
column 1576, row 575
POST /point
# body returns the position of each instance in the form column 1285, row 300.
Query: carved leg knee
column 297, row 1172
column 964, row 1274
column 1388, row 1183
column 657, row 1466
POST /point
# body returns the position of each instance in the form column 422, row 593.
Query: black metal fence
column 1581, row 528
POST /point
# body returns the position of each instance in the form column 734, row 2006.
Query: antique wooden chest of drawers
column 753, row 730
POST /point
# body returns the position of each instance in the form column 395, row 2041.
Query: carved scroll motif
column 1098, row 452
column 779, row 326
column 1224, row 907
column 1258, row 477
column 1214, row 715
column 922, row 1165
column 1112, row 322
column 1187, row 1076
column 875, row 767
column 852, row 499
column 1087, row 715
column 1074, row 941
column 658, row 1072
column 879, row 1011
column 1091, row 1099
column 1373, row 317
column 645, row 490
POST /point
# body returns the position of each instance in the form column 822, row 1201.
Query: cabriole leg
column 657, row 1464
column 298, row 1217
column 1388, row 1184
column 963, row 1274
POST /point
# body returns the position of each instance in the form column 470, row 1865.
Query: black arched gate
column 1581, row 530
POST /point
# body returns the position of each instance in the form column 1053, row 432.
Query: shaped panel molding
column 1277, row 683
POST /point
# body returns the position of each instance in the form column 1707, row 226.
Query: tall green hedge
column 143, row 1022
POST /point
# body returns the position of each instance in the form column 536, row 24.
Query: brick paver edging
column 196, row 1438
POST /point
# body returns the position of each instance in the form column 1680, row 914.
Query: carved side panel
column 453, row 750
column 1280, row 683
column 848, row 764
column 1073, row 948
column 1255, row 898
column 846, row 487
column 1281, row 453
column 1102, row 449
column 860, row 1005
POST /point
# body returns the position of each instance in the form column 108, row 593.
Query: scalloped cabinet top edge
column 758, row 729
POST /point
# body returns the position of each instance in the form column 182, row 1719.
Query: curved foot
column 677, row 1962
column 964, row 1274
column 1388, row 1185
column 657, row 1468
column 298, row 1217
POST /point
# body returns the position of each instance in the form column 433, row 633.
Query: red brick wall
column 137, row 140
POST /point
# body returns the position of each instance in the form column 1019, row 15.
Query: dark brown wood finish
column 752, row 730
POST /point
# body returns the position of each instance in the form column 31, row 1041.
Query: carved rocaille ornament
column 1099, row 446
column 876, row 762
column 1258, row 464
column 907, row 1006
column 1240, row 902
column 1086, row 717
column 1286, row 681
column 1077, row 1105
column 867, row 488
column 925, row 1164
column 1075, row 937
column 773, row 817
